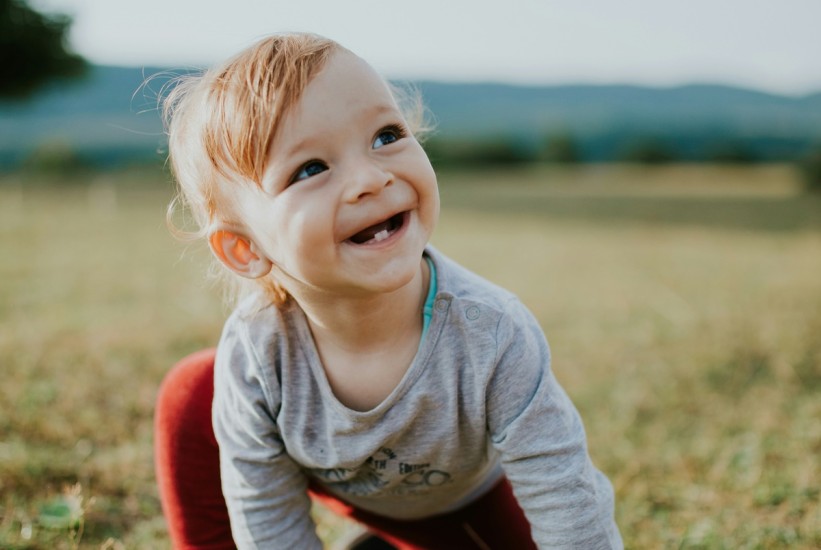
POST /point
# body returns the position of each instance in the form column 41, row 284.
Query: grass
column 683, row 306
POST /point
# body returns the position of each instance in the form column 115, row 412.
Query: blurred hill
column 108, row 118
column 111, row 118
column 696, row 122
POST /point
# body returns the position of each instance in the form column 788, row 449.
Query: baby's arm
column 541, row 438
column 264, row 489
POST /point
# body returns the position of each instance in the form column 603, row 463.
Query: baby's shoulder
column 467, row 289
column 257, row 343
column 255, row 326
column 253, row 317
column 473, row 299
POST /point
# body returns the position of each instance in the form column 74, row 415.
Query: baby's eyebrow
column 298, row 146
column 383, row 108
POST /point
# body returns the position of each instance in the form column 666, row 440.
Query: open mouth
column 379, row 231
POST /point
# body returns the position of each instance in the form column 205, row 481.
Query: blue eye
column 308, row 170
column 388, row 135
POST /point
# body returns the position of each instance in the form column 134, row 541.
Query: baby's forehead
column 343, row 70
column 346, row 86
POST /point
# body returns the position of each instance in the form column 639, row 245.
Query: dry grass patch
column 683, row 306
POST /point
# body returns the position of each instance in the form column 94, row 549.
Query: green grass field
column 682, row 304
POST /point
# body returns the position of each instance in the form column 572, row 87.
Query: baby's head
column 301, row 170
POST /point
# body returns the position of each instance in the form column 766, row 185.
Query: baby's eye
column 388, row 135
column 309, row 169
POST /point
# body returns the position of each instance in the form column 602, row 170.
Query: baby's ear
column 238, row 253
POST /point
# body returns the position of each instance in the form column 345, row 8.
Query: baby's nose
column 366, row 178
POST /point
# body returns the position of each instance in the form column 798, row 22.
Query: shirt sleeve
column 542, row 443
column 264, row 489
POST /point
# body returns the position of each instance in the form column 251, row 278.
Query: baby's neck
column 366, row 345
column 364, row 324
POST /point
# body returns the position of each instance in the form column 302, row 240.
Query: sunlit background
column 645, row 175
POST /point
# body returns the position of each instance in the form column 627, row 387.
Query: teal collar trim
column 427, row 310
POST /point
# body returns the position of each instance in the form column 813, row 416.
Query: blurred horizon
column 111, row 117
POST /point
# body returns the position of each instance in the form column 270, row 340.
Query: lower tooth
column 381, row 236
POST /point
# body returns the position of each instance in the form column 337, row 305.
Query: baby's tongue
column 370, row 232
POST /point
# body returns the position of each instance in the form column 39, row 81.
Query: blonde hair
column 221, row 124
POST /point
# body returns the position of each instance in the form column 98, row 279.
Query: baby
column 367, row 370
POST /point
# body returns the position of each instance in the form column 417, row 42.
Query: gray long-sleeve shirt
column 479, row 401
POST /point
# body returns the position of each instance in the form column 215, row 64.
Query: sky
column 769, row 45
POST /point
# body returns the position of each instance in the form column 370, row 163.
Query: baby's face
column 349, row 198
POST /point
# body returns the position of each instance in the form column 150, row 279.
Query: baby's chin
column 360, row 282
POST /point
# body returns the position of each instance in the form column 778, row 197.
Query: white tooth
column 381, row 236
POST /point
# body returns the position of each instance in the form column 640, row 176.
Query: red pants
column 187, row 468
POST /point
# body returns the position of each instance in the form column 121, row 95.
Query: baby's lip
column 385, row 225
